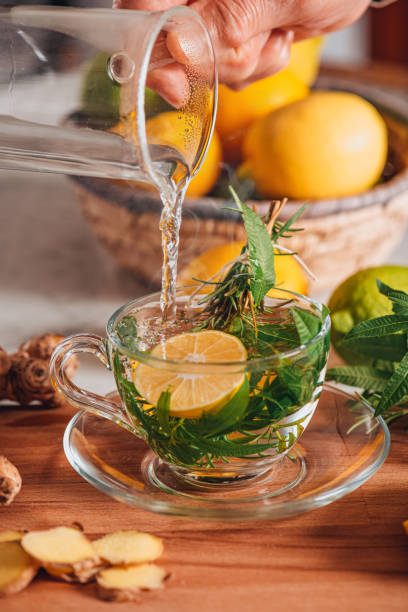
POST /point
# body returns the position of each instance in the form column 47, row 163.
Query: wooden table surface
column 351, row 555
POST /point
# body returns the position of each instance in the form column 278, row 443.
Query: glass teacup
column 268, row 397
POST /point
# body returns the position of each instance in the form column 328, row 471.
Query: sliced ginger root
column 11, row 536
column 125, row 583
column 65, row 552
column 128, row 547
column 10, row 481
column 17, row 568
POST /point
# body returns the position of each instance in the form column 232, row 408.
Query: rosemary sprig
column 380, row 347
column 252, row 274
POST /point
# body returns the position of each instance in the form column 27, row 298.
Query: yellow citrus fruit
column 176, row 129
column 305, row 58
column 237, row 110
column 182, row 132
column 330, row 144
column 209, row 172
column 289, row 274
column 192, row 393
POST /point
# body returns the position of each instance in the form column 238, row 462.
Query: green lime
column 100, row 95
column 358, row 299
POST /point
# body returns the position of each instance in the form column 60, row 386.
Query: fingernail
column 289, row 36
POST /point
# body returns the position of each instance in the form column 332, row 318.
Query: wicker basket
column 340, row 237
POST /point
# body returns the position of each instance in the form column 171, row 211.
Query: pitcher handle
column 74, row 395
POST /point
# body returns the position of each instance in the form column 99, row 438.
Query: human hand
column 252, row 38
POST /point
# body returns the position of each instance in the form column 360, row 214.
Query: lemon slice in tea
column 191, row 393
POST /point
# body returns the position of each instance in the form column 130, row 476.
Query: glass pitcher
column 75, row 96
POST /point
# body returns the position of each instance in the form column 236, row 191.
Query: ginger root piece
column 125, row 583
column 17, row 568
column 24, row 375
column 65, row 552
column 128, row 547
column 10, row 481
column 82, row 576
column 11, row 536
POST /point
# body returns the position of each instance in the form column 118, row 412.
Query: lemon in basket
column 182, row 132
column 288, row 272
column 237, row 110
column 305, row 59
column 330, row 144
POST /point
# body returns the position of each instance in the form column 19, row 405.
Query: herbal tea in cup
column 225, row 387
column 212, row 404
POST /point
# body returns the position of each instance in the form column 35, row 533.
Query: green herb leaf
column 307, row 324
column 261, row 253
column 281, row 229
column 228, row 415
column 228, row 448
column 276, row 333
column 396, row 388
column 364, row 377
column 387, row 348
column 163, row 410
column 398, row 298
column 381, row 326
column 126, row 329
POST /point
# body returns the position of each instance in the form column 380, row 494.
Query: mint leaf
column 261, row 253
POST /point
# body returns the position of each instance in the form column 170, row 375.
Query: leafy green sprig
column 380, row 348
column 252, row 274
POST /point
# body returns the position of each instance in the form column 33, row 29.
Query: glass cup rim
column 214, row 367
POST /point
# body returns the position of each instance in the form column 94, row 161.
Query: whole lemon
column 237, row 110
column 330, row 144
column 209, row 171
column 182, row 132
column 305, row 58
column 288, row 272
column 357, row 299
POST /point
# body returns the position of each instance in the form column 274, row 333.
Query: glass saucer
column 331, row 459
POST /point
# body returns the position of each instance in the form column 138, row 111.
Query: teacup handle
column 74, row 395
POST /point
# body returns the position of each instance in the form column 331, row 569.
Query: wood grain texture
column 350, row 555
